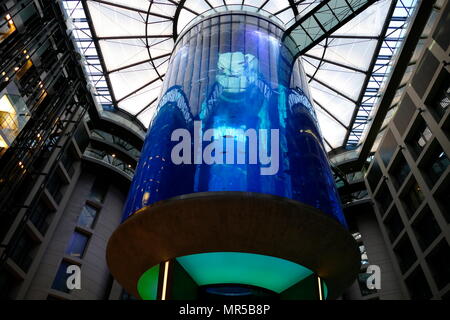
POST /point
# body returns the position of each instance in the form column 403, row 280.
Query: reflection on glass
column 87, row 216
column 59, row 283
column 99, row 190
column 235, row 76
column 77, row 244
column 13, row 117
column 6, row 29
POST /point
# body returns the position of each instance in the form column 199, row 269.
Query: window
column 443, row 101
column 419, row 137
column 67, row 161
column 425, row 72
column 82, row 138
column 426, row 228
column 388, row 147
column 374, row 175
column 439, row 262
column 441, row 98
column 423, row 137
column 405, row 254
column 39, row 217
column 399, row 170
column 54, row 186
column 412, row 198
column 60, row 281
column 404, row 114
column 22, row 251
column 77, row 244
column 87, row 216
column 418, row 286
column 436, row 165
column 393, row 224
column 383, row 197
column 98, row 190
column 443, row 199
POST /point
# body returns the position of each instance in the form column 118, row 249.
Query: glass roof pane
column 356, row 53
column 345, row 81
column 286, row 16
column 332, row 131
column 326, row 17
column 136, row 4
column 129, row 80
column 146, row 116
column 369, row 22
column 198, row 6
column 216, row 3
column 109, row 20
column 301, row 38
column 273, row 6
column 141, row 99
column 159, row 47
column 254, row 3
column 120, row 53
column 165, row 7
column 306, row 6
column 160, row 28
column 313, row 29
column 184, row 19
column 341, row 108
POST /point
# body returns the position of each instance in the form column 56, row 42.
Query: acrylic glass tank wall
column 234, row 115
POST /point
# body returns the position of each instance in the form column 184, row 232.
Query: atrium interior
column 89, row 90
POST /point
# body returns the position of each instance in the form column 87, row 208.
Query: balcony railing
column 110, row 159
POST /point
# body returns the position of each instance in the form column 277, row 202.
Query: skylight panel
column 369, row 22
column 135, row 50
column 332, row 131
column 109, row 20
column 346, row 81
column 124, row 52
column 340, row 108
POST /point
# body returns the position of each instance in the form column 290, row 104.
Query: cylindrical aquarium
column 234, row 115
column 233, row 192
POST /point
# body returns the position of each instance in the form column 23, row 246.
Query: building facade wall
column 48, row 168
column 95, row 280
column 364, row 222
column 409, row 177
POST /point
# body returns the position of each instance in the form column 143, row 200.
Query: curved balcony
column 116, row 142
column 111, row 161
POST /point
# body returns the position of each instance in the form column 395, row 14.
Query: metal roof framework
column 125, row 47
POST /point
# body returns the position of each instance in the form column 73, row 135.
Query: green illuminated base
column 223, row 237
column 274, row 274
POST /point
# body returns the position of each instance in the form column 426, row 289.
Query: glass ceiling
column 126, row 45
